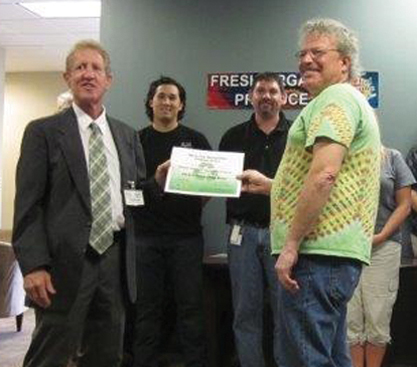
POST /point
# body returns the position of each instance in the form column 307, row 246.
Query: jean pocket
column 344, row 279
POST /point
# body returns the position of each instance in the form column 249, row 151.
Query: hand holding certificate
column 204, row 173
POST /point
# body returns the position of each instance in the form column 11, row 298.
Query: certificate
column 204, row 172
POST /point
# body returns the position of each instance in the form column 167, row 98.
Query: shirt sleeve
column 411, row 161
column 403, row 174
column 335, row 116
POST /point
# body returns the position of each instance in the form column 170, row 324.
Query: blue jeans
column 252, row 271
column 313, row 320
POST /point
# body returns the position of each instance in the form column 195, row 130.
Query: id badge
column 134, row 197
column 236, row 235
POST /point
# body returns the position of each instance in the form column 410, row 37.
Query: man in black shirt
column 171, row 243
column 262, row 138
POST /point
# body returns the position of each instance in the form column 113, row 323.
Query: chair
column 12, row 294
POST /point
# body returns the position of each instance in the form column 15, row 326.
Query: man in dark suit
column 76, row 192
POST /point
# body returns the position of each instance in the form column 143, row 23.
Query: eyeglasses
column 315, row 53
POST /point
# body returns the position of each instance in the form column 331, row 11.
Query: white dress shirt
column 112, row 156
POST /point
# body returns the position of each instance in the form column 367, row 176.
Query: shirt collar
column 283, row 124
column 84, row 120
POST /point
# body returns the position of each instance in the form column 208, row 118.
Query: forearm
column 255, row 182
column 395, row 220
column 311, row 202
column 403, row 199
column 264, row 188
column 312, row 199
column 414, row 200
column 318, row 184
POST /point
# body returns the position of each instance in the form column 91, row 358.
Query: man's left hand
column 286, row 261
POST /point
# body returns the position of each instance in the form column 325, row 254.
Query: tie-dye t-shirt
column 346, row 224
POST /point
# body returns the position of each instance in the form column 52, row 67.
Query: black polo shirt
column 263, row 153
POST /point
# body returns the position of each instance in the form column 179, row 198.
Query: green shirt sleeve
column 334, row 115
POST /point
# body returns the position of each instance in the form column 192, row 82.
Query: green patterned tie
column 101, row 235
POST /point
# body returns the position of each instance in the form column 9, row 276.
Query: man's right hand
column 161, row 173
column 39, row 288
column 283, row 267
column 255, row 182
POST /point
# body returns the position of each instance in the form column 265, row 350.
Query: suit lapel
column 74, row 154
column 122, row 147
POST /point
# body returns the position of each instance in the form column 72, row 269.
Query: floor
column 13, row 345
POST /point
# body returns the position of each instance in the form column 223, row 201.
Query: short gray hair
column 347, row 41
column 88, row 45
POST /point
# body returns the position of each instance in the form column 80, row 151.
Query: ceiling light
column 65, row 9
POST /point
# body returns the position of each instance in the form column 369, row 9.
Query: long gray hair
column 347, row 41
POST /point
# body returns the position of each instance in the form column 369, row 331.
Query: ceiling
column 32, row 43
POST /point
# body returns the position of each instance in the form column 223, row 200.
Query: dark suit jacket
column 52, row 218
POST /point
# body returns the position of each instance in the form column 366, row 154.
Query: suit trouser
column 93, row 327
column 180, row 258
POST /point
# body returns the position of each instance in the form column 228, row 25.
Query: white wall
column 28, row 96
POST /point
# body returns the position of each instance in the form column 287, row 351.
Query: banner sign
column 228, row 91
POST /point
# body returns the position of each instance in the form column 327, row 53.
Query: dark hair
column 164, row 80
column 268, row 76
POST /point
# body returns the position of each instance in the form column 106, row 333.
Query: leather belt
column 243, row 222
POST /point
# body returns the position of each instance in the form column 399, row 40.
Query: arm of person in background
column 411, row 160
column 414, row 200
column 161, row 173
column 153, row 187
column 255, row 182
column 403, row 199
column 325, row 166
